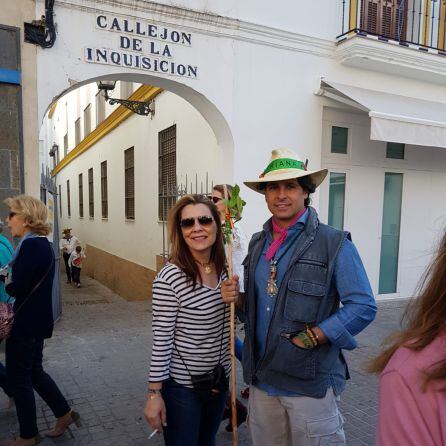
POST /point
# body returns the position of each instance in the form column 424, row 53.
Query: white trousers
column 294, row 421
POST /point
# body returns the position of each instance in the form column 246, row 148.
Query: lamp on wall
column 138, row 107
column 54, row 153
column 54, row 149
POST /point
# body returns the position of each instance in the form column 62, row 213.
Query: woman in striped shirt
column 190, row 328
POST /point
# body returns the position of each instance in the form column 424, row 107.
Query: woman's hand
column 155, row 413
column 230, row 290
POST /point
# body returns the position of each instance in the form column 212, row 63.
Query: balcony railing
column 418, row 22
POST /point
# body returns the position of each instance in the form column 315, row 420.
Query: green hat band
column 284, row 163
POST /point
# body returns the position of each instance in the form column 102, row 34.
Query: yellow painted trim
column 426, row 22
column 143, row 93
column 353, row 14
column 441, row 28
column 52, row 109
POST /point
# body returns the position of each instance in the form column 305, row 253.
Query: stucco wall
column 129, row 280
column 423, row 209
column 139, row 240
column 258, row 69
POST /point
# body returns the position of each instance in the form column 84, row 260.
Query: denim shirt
column 350, row 280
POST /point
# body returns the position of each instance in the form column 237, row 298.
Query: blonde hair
column 33, row 211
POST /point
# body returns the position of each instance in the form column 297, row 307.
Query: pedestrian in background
column 190, row 357
column 6, row 252
column 412, row 367
column 75, row 261
column 30, row 282
column 298, row 272
column 67, row 245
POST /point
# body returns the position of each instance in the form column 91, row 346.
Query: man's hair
column 307, row 185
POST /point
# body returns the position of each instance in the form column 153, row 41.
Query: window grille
column 43, row 194
column 81, row 196
column 60, row 201
column 129, row 173
column 68, row 199
column 87, row 120
column 100, row 108
column 167, row 167
column 90, row 193
column 77, row 131
column 65, row 144
column 104, row 190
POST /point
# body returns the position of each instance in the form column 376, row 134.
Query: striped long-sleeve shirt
column 191, row 321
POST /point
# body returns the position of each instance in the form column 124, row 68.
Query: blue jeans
column 191, row 422
column 238, row 344
column 25, row 373
column 4, row 384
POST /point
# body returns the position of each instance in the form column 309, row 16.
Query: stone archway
column 207, row 109
column 80, row 159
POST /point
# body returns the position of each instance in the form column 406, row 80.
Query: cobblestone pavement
column 99, row 356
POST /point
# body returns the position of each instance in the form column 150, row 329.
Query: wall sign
column 142, row 46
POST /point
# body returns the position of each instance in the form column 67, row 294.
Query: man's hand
column 230, row 290
column 297, row 342
column 321, row 338
column 155, row 413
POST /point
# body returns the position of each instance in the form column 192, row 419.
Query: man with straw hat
column 297, row 272
column 67, row 245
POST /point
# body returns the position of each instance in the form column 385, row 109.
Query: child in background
column 75, row 262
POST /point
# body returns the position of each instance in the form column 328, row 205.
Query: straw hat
column 285, row 165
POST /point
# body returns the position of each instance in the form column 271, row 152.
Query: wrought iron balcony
column 406, row 22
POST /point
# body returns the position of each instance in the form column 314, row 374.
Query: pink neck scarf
column 283, row 232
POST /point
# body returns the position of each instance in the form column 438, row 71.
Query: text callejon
column 142, row 46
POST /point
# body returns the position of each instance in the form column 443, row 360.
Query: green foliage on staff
column 235, row 207
column 235, row 204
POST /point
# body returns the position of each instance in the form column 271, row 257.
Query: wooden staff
column 232, row 333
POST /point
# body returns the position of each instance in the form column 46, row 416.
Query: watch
column 153, row 393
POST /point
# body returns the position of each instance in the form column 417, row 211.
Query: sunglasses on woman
column 216, row 199
column 203, row 220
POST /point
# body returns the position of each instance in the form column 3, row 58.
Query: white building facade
column 360, row 94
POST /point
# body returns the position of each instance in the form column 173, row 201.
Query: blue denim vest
column 306, row 296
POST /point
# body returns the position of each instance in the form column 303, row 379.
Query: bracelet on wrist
column 315, row 335
column 312, row 337
column 305, row 339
